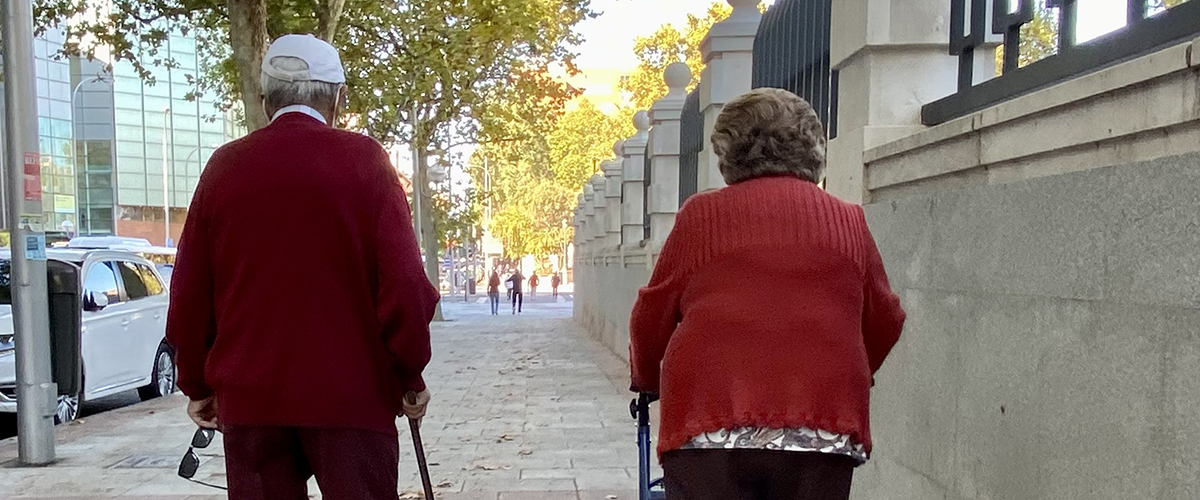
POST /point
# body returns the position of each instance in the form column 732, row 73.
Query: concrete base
column 1052, row 349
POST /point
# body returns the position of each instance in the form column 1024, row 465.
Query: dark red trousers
column 756, row 475
column 275, row 463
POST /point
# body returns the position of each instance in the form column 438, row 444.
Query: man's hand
column 204, row 412
column 415, row 403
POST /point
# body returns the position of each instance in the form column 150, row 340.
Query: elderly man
column 300, row 309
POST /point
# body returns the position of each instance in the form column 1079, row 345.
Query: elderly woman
column 767, row 315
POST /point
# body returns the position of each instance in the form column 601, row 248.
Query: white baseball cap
column 324, row 65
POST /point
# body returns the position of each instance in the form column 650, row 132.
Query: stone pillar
column 664, row 152
column 612, row 190
column 600, row 202
column 728, row 52
column 589, row 214
column 633, row 162
column 891, row 57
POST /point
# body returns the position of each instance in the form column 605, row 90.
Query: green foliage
column 535, row 180
column 456, row 65
column 137, row 31
column 667, row 45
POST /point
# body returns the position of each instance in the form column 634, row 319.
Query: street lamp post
column 87, row 185
column 167, row 132
column 36, row 389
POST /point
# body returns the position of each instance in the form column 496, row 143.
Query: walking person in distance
column 533, row 283
column 494, row 292
column 766, row 384
column 515, row 282
column 303, row 372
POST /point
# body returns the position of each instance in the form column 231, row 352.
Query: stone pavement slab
column 524, row 407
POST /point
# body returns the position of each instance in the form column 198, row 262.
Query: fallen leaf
column 611, row 497
column 445, row 484
column 525, row 453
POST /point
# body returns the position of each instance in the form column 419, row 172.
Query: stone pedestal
column 600, row 210
column 633, row 163
column 891, row 57
column 612, row 190
column 663, row 149
column 728, row 52
column 589, row 214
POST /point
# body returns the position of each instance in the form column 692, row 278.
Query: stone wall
column 1052, row 347
column 605, row 291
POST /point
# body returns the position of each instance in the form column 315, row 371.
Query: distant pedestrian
column 533, row 283
column 554, row 282
column 765, row 385
column 517, row 298
column 302, row 383
column 494, row 292
column 508, row 285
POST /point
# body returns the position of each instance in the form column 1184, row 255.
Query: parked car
column 123, row 326
column 163, row 258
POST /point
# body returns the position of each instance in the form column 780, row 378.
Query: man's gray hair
column 280, row 93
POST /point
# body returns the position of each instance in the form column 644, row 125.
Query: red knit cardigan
column 769, row 307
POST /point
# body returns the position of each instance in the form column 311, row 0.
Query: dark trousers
column 756, row 475
column 518, row 300
column 494, row 299
column 274, row 463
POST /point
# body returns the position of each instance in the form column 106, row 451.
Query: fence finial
column 744, row 10
column 619, row 148
column 677, row 76
column 641, row 120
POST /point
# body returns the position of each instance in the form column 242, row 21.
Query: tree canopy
column 535, row 180
column 667, row 45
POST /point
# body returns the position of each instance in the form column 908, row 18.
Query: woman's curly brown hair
column 768, row 132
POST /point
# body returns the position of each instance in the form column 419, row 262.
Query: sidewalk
column 525, row 407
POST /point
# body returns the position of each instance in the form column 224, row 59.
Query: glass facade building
column 108, row 139
column 159, row 132
column 54, row 133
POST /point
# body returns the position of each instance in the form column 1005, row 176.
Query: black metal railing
column 646, row 196
column 791, row 51
column 969, row 32
column 691, row 143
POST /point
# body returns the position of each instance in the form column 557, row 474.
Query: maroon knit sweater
column 298, row 295
column 768, row 307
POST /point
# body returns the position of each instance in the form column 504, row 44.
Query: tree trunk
column 329, row 14
column 248, row 35
column 428, row 233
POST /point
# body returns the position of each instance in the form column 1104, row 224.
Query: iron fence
column 791, row 51
column 646, row 176
column 970, row 30
column 691, row 142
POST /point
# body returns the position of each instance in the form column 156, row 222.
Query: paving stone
column 524, row 407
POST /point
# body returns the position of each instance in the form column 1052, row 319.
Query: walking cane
column 415, row 427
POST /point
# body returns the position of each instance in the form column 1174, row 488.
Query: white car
column 123, row 328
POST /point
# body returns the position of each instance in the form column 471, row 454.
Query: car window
column 153, row 285
column 102, row 280
column 5, row 281
column 135, row 288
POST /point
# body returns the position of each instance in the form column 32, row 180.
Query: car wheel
column 162, row 375
column 66, row 410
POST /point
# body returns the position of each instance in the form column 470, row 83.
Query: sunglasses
column 191, row 461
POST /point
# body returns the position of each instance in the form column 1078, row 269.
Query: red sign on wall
column 33, row 177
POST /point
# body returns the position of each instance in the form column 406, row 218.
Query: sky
column 607, row 51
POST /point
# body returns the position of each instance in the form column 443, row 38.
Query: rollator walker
column 648, row 489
